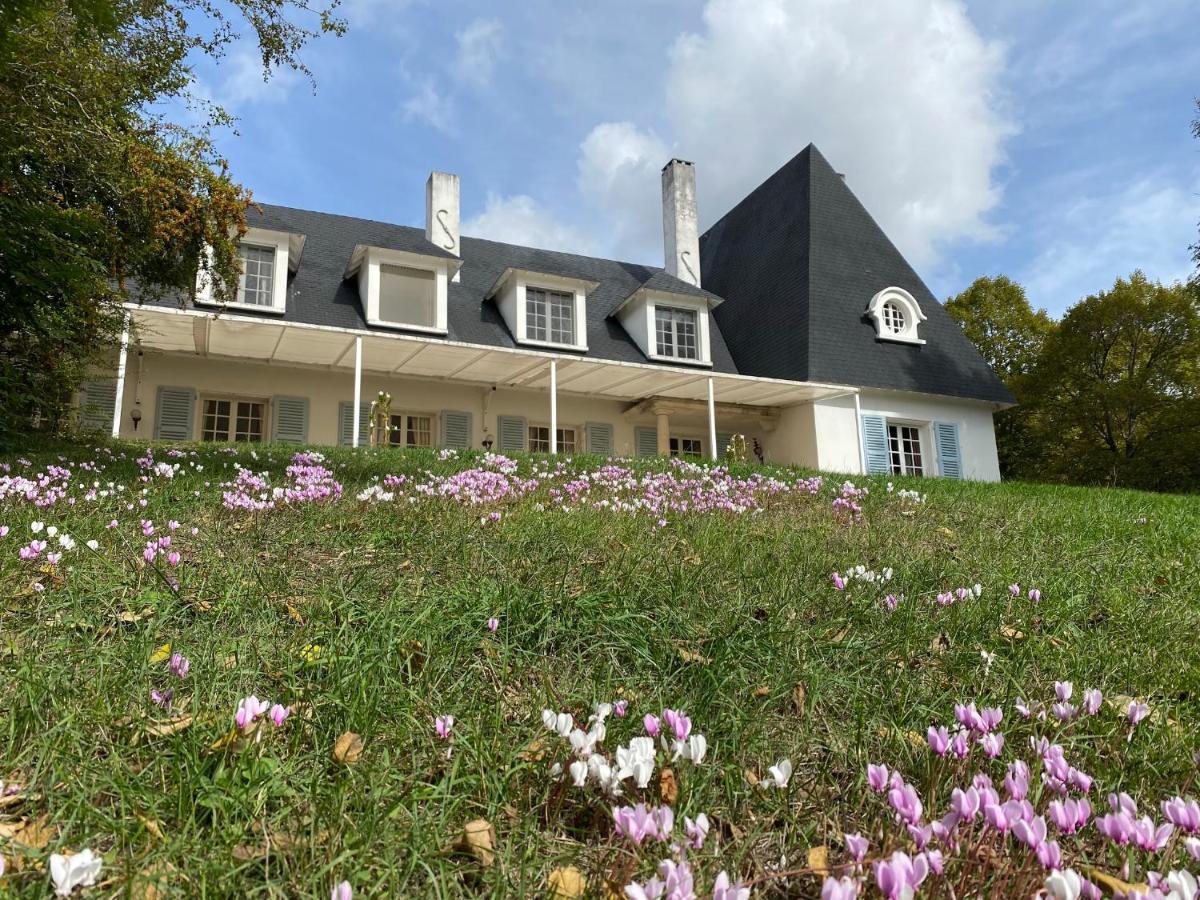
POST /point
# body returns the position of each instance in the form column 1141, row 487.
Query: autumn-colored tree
column 98, row 192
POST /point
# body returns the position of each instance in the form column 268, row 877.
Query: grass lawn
column 370, row 616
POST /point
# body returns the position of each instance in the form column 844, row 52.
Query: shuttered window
column 645, row 441
column 511, row 433
column 346, row 424
column 456, row 430
column 945, row 435
column 875, row 445
column 97, row 401
column 289, row 420
column 599, row 438
column 173, row 411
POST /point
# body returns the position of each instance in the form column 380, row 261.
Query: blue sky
column 1046, row 141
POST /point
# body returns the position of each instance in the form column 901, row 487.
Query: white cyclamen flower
column 70, row 872
column 780, row 774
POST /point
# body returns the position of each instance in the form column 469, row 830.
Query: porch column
column 121, row 358
column 712, row 420
column 553, row 406
column 357, row 388
column 664, row 434
column 862, row 451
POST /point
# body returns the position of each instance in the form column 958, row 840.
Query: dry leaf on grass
column 152, row 826
column 348, row 749
column 940, row 644
column 799, row 695
column 169, row 726
column 751, row 777
column 1118, row 887
column 567, row 883
column 690, row 656
column 35, row 834
column 668, row 788
column 129, row 617
column 478, row 840
column 761, row 691
column 162, row 654
column 535, row 751
column 818, row 861
column 1013, row 634
column 840, row 636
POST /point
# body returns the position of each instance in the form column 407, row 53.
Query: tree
column 99, row 193
column 1196, row 246
column 995, row 314
column 1120, row 385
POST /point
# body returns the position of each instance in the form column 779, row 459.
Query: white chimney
column 441, row 211
column 681, row 236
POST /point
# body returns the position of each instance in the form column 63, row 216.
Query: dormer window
column 896, row 316
column 543, row 310
column 402, row 289
column 265, row 258
column 676, row 332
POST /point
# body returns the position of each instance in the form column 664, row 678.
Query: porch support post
column 553, row 406
column 862, row 459
column 712, row 420
column 664, row 434
column 121, row 358
column 357, row 388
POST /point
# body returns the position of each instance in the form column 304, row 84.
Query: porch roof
column 254, row 339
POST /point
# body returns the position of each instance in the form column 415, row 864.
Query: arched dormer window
column 896, row 316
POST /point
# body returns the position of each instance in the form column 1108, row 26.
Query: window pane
column 562, row 317
column 894, row 450
column 912, row 451
column 676, row 332
column 566, row 440
column 539, row 439
column 256, row 286
column 420, row 431
column 396, row 431
column 407, row 296
column 664, row 333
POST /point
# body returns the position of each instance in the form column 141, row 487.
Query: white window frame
column 685, row 437
column 573, row 300
column 433, row 429
column 925, row 441
column 676, row 344
column 909, row 308
column 233, row 400
column 281, row 242
column 638, row 316
column 578, row 431
column 366, row 262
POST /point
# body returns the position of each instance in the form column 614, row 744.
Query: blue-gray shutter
column 875, row 445
column 173, row 411
column 346, row 424
column 723, row 444
column 645, row 441
column 456, row 429
column 599, row 438
column 945, row 436
column 512, row 433
column 289, row 420
column 97, row 401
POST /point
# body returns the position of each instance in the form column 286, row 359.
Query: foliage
column 98, row 190
column 995, row 314
column 368, row 618
column 1196, row 246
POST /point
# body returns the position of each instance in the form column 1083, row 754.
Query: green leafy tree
column 1196, row 246
column 1120, row 385
column 100, row 193
column 995, row 315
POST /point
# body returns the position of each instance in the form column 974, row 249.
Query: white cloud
column 902, row 98
column 431, row 107
column 480, row 46
column 1090, row 242
column 240, row 81
column 519, row 219
column 619, row 172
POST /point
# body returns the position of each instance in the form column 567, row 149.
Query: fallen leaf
column 169, row 726
column 568, row 883
column 294, row 614
column 35, row 834
column 940, row 644
column 311, row 653
column 535, row 751
column 152, row 826
column 348, row 749
column 799, row 696
column 692, row 656
column 818, row 861
column 840, row 636
column 761, row 691
column 228, row 739
column 751, row 777
column 1013, row 634
column 129, row 617
column 1116, row 885
column 247, row 852
column 668, row 789
column 478, row 839
column 162, row 654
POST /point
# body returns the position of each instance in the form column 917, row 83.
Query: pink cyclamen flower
column 839, row 889
column 838, row 581
column 1063, row 690
column 1193, row 847
column 679, row 723
column 634, row 822
column 899, row 876
column 620, row 707
column 995, row 816
column 965, row 803
column 1014, row 589
column 723, row 889
column 1032, row 833
column 697, row 830
column 279, row 714
column 1136, row 711
column 652, row 724
column 173, row 558
column 1049, row 855
column 1069, row 816
column 1117, row 827
column 1035, row 595
column 1149, row 837
column 939, row 740
column 906, row 802
column 442, row 725
column 857, row 846
column 1092, row 699
column 992, row 744
column 492, row 624
column 249, row 709
column 180, row 665
column 341, row 891
column 877, row 777
column 1183, row 814
column 162, row 698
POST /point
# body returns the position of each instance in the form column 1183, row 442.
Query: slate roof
column 797, row 261
column 318, row 293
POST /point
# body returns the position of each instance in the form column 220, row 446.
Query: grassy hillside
column 710, row 593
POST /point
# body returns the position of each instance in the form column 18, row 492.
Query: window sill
column 404, row 326
column 248, row 307
column 553, row 345
column 897, row 339
column 677, row 360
